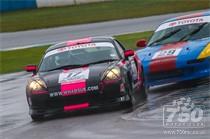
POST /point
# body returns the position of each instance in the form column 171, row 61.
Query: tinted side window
column 120, row 48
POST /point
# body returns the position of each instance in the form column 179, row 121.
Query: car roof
column 207, row 13
column 81, row 41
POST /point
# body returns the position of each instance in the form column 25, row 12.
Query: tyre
column 132, row 100
column 143, row 92
column 144, row 89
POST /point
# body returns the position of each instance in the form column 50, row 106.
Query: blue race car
column 179, row 50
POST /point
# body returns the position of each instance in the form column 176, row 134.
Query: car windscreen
column 78, row 55
column 179, row 33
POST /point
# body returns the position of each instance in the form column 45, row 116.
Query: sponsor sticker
column 196, row 20
column 74, row 75
column 167, row 53
column 68, row 89
column 74, row 91
column 80, row 46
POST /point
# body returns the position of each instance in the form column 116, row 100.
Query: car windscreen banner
column 196, row 20
column 80, row 46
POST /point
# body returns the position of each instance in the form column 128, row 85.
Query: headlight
column 205, row 53
column 37, row 84
column 112, row 74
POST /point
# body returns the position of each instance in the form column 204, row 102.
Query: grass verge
column 15, row 60
column 94, row 12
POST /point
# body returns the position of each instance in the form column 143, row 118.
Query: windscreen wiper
column 102, row 61
column 77, row 66
column 66, row 66
column 184, row 38
column 165, row 36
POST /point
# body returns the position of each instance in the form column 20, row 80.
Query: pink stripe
column 79, row 86
column 76, row 107
column 189, row 16
column 79, row 41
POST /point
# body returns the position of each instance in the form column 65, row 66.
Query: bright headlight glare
column 205, row 53
column 37, row 85
column 113, row 74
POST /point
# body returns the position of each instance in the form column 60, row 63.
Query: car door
column 132, row 66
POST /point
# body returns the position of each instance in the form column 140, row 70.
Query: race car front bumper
column 77, row 107
column 111, row 94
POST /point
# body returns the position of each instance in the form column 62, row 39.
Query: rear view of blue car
column 179, row 50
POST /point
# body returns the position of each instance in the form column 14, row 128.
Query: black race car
column 82, row 74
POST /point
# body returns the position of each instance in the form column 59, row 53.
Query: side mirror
column 128, row 53
column 141, row 43
column 31, row 68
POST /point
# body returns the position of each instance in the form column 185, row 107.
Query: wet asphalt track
column 143, row 122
